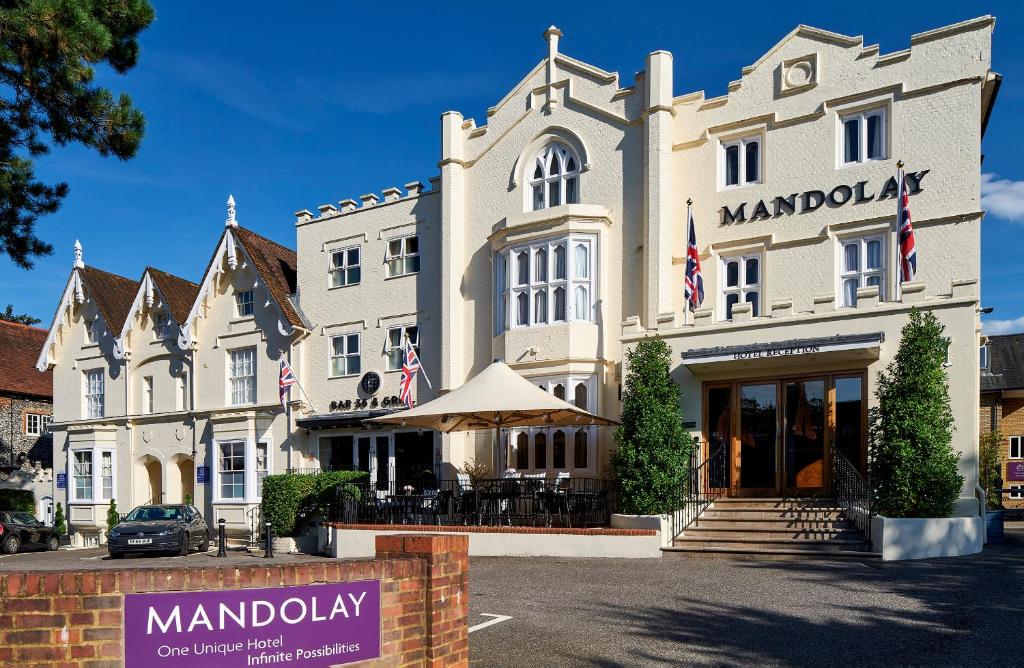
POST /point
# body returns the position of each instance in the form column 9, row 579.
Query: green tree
column 48, row 50
column 60, row 525
column 912, row 465
column 652, row 458
column 988, row 467
column 10, row 316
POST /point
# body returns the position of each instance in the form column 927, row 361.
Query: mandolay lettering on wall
column 811, row 200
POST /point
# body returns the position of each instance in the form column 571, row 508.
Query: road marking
column 90, row 558
column 497, row 619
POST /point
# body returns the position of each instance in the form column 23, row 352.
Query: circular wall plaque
column 370, row 382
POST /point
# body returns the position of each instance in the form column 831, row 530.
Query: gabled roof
column 18, row 375
column 277, row 265
column 1005, row 363
column 179, row 294
column 113, row 295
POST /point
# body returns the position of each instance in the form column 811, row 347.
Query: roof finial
column 79, row 263
column 231, row 222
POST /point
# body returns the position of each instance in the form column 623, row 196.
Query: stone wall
column 77, row 617
column 12, row 432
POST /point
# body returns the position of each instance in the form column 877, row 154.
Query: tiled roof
column 113, row 295
column 277, row 265
column 179, row 293
column 1006, row 363
column 19, row 348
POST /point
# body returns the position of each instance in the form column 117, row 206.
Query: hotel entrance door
column 777, row 431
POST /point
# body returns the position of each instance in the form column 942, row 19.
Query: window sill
column 347, row 285
column 347, row 375
column 410, row 273
column 868, row 161
column 740, row 186
column 237, row 320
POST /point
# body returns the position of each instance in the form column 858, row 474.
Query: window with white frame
column 262, row 465
column 163, row 325
column 545, row 449
column 862, row 264
column 243, row 303
column 396, row 344
column 147, row 394
column 545, row 282
column 91, row 327
column 1017, row 492
column 231, row 469
column 242, row 376
column 403, row 256
column 92, row 475
column 93, row 380
column 741, row 283
column 345, row 268
column 983, row 357
column 345, row 360
column 106, row 475
column 82, row 475
column 863, row 136
column 741, row 162
column 1017, row 447
column 37, row 424
column 556, row 177
column 181, row 390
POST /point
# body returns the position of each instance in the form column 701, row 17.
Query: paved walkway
column 671, row 611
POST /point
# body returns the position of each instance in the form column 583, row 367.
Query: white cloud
column 1002, row 197
column 993, row 327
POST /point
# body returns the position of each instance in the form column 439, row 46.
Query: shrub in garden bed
column 290, row 501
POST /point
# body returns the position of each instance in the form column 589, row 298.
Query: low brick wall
column 77, row 618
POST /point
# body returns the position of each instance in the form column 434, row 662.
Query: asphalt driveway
column 672, row 611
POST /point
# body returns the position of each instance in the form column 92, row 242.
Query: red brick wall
column 77, row 618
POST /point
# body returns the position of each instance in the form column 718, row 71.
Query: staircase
column 788, row 527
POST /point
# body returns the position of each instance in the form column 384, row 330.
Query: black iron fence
column 706, row 481
column 524, row 501
column 851, row 490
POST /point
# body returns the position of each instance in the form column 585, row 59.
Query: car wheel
column 11, row 545
column 53, row 544
column 204, row 546
column 186, row 545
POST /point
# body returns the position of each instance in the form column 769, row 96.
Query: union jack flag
column 694, row 290
column 285, row 380
column 410, row 367
column 908, row 249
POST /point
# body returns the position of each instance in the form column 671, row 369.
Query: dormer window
column 556, row 177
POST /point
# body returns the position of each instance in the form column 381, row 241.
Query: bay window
column 82, row 474
column 92, row 475
column 553, row 449
column 231, row 470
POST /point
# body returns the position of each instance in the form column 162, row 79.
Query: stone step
column 762, row 553
column 728, row 533
column 788, row 523
column 714, row 513
column 851, row 544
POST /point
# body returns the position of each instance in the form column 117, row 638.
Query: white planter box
column 923, row 538
column 657, row 522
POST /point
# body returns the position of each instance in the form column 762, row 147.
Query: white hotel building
column 554, row 238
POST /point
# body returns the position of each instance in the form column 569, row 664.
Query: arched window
column 558, row 450
column 559, row 391
column 540, row 266
column 522, row 309
column 522, row 451
column 581, row 396
column 580, row 449
column 523, row 268
column 560, row 262
column 582, row 303
column 559, row 303
column 555, row 177
column 540, row 451
column 581, row 262
column 540, row 306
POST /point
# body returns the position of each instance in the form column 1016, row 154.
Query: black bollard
column 268, row 553
column 222, row 541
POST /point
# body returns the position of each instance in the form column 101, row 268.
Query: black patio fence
column 523, row 501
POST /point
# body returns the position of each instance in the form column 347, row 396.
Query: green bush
column 912, row 465
column 188, row 499
column 289, row 501
column 652, row 458
column 18, row 500
column 60, row 525
column 988, row 468
column 113, row 517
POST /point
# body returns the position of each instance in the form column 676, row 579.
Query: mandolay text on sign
column 312, row 625
column 812, row 200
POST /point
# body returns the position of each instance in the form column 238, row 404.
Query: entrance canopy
column 496, row 398
column 845, row 347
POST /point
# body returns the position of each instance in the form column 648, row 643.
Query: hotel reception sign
column 311, row 625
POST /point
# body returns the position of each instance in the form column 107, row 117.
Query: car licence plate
column 140, row 541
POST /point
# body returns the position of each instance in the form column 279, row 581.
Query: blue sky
column 291, row 108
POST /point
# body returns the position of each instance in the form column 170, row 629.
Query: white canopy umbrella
column 496, row 398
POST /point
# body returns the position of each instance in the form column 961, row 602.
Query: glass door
column 804, row 435
column 757, row 450
column 719, row 436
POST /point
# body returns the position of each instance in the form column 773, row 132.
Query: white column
column 659, row 217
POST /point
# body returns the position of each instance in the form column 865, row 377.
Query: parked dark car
column 22, row 530
column 175, row 528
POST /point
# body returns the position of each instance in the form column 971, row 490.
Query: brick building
column 1002, row 404
column 26, row 399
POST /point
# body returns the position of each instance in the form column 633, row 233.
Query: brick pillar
column 446, row 589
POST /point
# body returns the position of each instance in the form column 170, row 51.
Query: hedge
column 18, row 500
column 290, row 500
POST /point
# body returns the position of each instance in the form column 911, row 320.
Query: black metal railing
column 523, row 501
column 706, row 481
column 254, row 518
column 851, row 491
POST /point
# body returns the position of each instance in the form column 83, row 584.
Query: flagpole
column 288, row 409
column 409, row 342
column 686, row 300
column 899, row 209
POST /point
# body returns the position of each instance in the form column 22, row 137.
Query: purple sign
column 1015, row 471
column 311, row 625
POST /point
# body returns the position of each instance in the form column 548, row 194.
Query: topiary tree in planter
column 113, row 517
column 652, row 458
column 912, row 465
column 60, row 524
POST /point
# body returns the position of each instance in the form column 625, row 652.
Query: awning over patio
column 846, row 347
column 340, row 420
column 497, row 397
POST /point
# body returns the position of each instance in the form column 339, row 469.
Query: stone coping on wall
column 447, row 528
